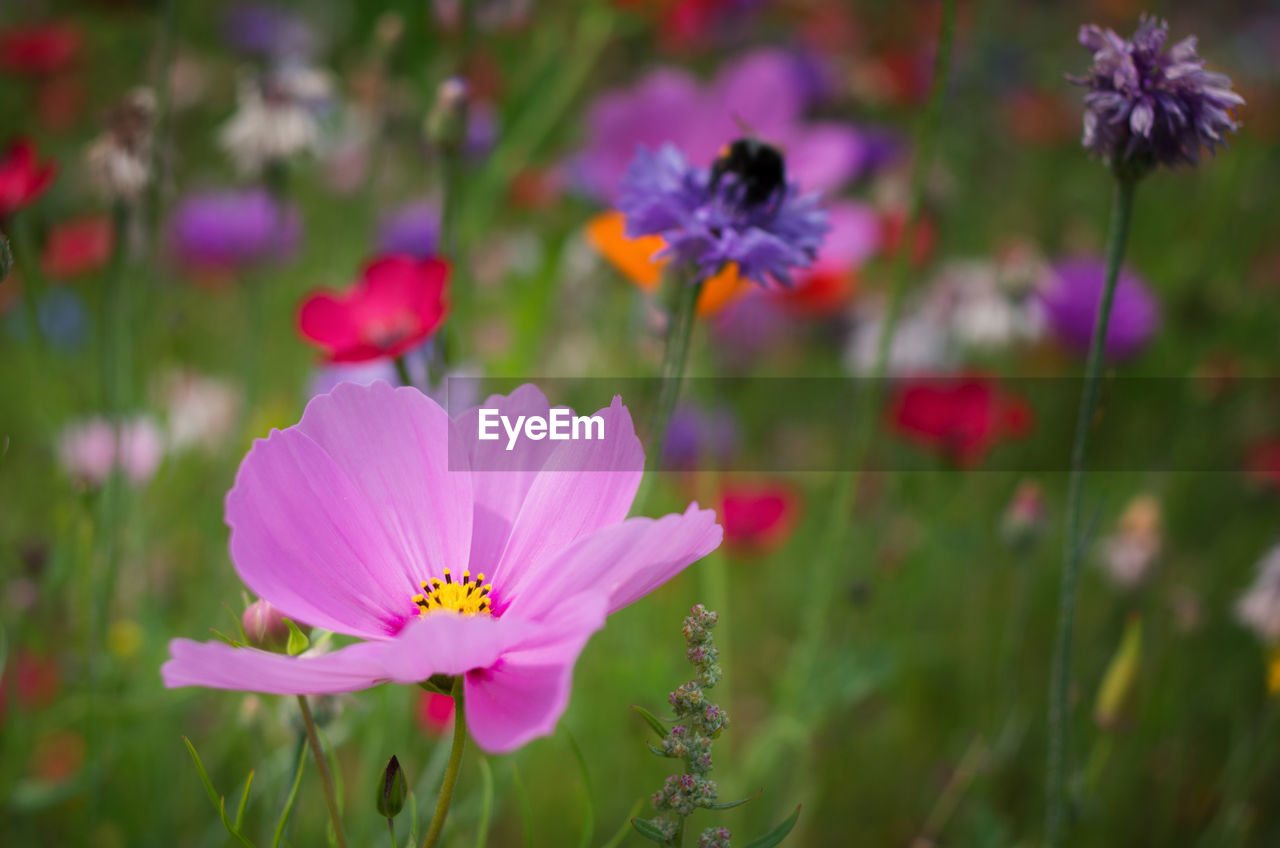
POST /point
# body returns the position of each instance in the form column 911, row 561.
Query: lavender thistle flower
column 1148, row 106
column 708, row 223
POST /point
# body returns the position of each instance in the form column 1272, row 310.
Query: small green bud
column 6, row 257
column 392, row 790
column 446, row 123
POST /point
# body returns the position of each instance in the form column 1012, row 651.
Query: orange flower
column 633, row 257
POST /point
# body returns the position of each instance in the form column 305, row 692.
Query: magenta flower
column 764, row 89
column 359, row 520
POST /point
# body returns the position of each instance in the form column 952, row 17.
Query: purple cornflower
column 267, row 31
column 1148, row 106
column 1070, row 297
column 708, row 222
column 413, row 230
column 221, row 230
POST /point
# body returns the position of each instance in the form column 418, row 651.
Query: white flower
column 276, row 118
column 1259, row 607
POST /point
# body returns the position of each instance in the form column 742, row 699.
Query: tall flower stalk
column 1073, row 543
column 805, row 653
column 1147, row 106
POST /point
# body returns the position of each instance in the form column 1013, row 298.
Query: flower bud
column 392, row 790
column 447, row 120
column 1118, row 684
column 264, row 625
column 1023, row 522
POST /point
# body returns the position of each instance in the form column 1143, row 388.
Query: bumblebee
column 758, row 167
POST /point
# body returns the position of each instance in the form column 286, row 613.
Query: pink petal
column 523, row 695
column 445, row 642
column 337, row 520
column 327, row 320
column 624, row 562
column 499, row 494
column 393, row 443
column 584, row 485
column 217, row 665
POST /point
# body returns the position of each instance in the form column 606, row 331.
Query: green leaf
column 733, row 804
column 526, row 808
column 244, row 800
column 647, row 829
column 656, row 751
column 589, row 813
column 298, row 640
column 225, row 638
column 218, row 802
column 293, row 794
column 486, row 803
column 622, row 831
column 651, row 720
column 778, row 834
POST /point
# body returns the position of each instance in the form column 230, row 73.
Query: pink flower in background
column 88, row 450
column 435, row 713
column 23, row 178
column 358, row 520
column 766, row 90
column 398, row 302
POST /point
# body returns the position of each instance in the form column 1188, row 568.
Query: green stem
column 1056, row 800
column 452, row 769
column 33, row 281
column 674, row 359
column 391, row 831
column 825, row 569
column 402, row 371
column 322, row 766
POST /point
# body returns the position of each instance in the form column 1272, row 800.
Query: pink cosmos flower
column 360, row 520
column 398, row 302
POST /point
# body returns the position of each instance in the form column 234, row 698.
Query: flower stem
column 322, row 766
column 402, row 371
column 679, row 334
column 391, row 831
column 452, row 769
column 33, row 281
column 1056, row 800
column 826, row 571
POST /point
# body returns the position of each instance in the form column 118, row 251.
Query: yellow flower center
column 470, row 597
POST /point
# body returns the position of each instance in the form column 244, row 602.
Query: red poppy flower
column 960, row 417
column 822, row 291
column 435, row 713
column 926, row 240
column 38, row 50
column 22, row 179
column 79, row 246
column 758, row 516
column 1263, row 463
column 31, row 679
column 398, row 302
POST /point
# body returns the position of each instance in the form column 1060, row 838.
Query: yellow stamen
column 470, row 597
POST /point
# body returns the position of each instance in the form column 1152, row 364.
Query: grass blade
column 293, row 794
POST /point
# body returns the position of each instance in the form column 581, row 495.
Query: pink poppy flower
column 361, row 520
column 22, row 177
column 961, row 417
column 398, row 302
column 758, row 516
